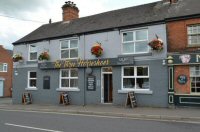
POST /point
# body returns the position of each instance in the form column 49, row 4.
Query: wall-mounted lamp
column 170, row 59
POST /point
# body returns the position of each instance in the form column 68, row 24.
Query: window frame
column 69, row 77
column 29, row 78
column 191, row 76
column 193, row 34
column 69, row 49
column 4, row 65
column 29, row 54
column 135, row 76
column 134, row 41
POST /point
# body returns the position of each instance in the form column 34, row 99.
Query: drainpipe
column 84, row 90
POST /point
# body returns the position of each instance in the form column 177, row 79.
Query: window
column 32, row 52
column 134, row 42
column 69, row 49
column 135, row 77
column 195, row 79
column 3, row 67
column 193, row 34
column 69, row 78
column 32, row 79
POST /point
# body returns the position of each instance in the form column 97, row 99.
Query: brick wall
column 177, row 35
column 5, row 57
column 70, row 13
column 181, row 88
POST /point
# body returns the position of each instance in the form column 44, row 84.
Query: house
column 184, row 57
column 124, row 61
column 6, row 68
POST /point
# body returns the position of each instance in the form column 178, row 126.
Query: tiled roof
column 148, row 13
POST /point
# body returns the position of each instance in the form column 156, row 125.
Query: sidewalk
column 172, row 114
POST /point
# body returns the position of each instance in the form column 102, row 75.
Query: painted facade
column 107, row 76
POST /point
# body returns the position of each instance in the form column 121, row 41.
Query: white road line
column 35, row 128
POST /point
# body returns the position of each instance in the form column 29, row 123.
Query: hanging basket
column 97, row 50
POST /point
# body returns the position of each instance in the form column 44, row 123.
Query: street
column 22, row 121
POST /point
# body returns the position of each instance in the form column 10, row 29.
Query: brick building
column 6, row 66
column 184, row 60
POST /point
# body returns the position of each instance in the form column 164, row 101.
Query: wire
column 21, row 19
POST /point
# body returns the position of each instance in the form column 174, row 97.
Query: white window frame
column 135, row 76
column 5, row 67
column 67, row 88
column 193, row 34
column 28, row 84
column 191, row 76
column 134, row 41
column 29, row 53
column 69, row 48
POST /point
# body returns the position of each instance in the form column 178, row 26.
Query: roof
column 143, row 14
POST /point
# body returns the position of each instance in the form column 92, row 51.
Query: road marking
column 35, row 128
column 107, row 116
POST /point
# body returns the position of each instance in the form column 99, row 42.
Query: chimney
column 70, row 11
column 170, row 1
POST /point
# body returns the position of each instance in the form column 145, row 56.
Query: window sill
column 68, row 89
column 193, row 45
column 145, row 91
column 31, row 89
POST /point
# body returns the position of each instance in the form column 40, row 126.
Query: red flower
column 97, row 50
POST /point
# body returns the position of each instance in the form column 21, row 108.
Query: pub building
column 97, row 59
column 184, row 58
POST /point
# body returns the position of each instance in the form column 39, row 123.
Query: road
column 22, row 121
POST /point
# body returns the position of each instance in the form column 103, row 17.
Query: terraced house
column 99, row 58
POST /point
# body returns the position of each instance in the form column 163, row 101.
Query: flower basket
column 44, row 56
column 17, row 58
column 97, row 50
column 156, row 44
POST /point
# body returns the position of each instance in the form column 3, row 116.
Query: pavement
column 182, row 114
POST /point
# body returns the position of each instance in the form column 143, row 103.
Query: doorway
column 107, row 85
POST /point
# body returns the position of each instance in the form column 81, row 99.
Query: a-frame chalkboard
column 131, row 100
column 26, row 98
column 64, row 98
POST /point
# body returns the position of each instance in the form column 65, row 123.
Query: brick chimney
column 170, row 1
column 70, row 11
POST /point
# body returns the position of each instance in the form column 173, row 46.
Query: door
column 1, row 88
column 107, row 85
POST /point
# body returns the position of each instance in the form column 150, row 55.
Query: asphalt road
column 20, row 121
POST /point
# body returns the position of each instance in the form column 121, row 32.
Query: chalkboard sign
column 91, row 83
column 131, row 100
column 26, row 98
column 182, row 79
column 46, row 82
column 64, row 98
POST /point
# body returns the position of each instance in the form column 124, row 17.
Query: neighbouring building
column 6, row 69
column 184, row 56
column 122, row 60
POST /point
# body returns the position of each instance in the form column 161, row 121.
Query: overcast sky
column 31, row 14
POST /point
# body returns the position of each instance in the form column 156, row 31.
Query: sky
column 20, row 17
